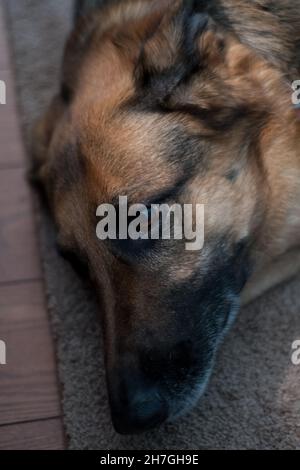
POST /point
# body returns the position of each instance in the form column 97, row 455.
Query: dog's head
column 158, row 104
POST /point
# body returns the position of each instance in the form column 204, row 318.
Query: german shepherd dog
column 186, row 102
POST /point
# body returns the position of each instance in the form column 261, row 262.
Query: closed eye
column 137, row 246
column 131, row 251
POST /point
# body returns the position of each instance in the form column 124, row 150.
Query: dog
column 186, row 102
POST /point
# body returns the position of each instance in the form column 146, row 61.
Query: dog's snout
column 136, row 405
column 139, row 385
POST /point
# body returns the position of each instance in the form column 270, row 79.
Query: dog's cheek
column 38, row 152
column 41, row 138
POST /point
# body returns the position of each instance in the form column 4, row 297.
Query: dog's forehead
column 130, row 152
column 105, row 78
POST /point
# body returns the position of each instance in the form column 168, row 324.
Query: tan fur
column 123, row 133
column 241, row 71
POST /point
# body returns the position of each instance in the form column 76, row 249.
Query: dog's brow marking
column 167, row 194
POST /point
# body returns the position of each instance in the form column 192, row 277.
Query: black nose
column 140, row 416
column 136, row 407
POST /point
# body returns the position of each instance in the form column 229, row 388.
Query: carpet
column 253, row 399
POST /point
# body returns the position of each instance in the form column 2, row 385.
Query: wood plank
column 28, row 383
column 29, row 397
column 19, row 258
column 39, row 435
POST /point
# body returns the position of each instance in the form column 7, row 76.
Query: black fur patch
column 76, row 260
column 218, row 119
column 66, row 93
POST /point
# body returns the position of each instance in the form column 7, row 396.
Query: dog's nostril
column 141, row 414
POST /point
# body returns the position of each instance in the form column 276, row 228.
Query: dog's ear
column 192, row 66
column 183, row 67
column 184, row 42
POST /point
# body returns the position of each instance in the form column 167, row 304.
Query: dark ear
column 84, row 7
column 184, row 42
column 189, row 65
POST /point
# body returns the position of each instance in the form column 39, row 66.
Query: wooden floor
column 30, row 413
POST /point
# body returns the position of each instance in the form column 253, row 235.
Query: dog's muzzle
column 136, row 406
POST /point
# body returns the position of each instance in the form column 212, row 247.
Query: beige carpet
column 253, row 400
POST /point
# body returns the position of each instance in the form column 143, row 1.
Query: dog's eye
column 145, row 217
column 139, row 241
column 148, row 219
